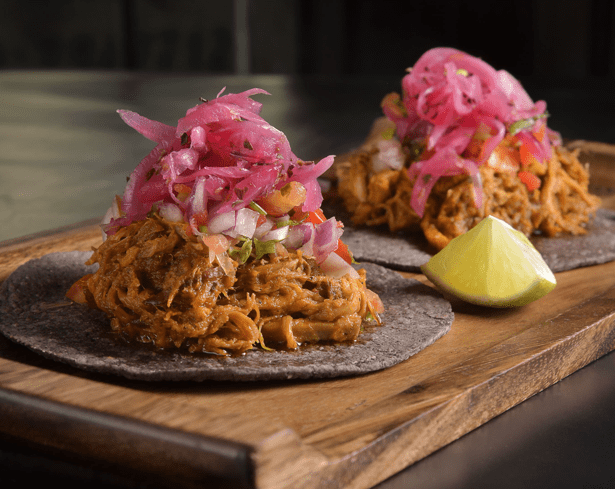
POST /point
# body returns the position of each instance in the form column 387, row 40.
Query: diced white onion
column 263, row 229
column 113, row 212
column 245, row 222
column 108, row 216
column 276, row 234
column 308, row 247
column 170, row 212
column 225, row 263
column 335, row 266
column 296, row 237
column 389, row 156
column 221, row 223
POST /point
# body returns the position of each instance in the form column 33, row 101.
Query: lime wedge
column 492, row 264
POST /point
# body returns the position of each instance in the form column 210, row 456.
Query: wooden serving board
column 349, row 432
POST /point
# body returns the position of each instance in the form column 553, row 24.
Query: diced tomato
column 343, row 252
column 280, row 202
column 503, row 158
column 539, row 134
column 200, row 218
column 531, row 181
column 317, row 217
column 476, row 147
column 217, row 243
column 527, row 158
column 262, row 218
column 183, row 191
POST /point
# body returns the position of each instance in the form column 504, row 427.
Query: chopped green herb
column 521, row 125
column 524, row 124
column 389, row 133
column 247, row 145
column 255, row 207
column 263, row 248
column 242, row 254
column 287, row 222
column 372, row 317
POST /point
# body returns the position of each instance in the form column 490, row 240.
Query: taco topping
column 218, row 242
column 464, row 141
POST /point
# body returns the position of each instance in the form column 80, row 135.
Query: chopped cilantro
column 242, row 254
column 263, row 248
column 287, row 222
column 255, row 207
column 389, row 133
column 523, row 124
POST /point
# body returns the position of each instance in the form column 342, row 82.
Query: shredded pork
column 562, row 203
column 158, row 285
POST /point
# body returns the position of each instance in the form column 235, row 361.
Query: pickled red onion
column 451, row 100
column 235, row 158
column 153, row 130
column 221, row 158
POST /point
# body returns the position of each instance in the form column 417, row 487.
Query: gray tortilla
column 35, row 313
column 407, row 252
column 569, row 252
column 400, row 251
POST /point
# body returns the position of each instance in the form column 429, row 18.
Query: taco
column 464, row 141
column 218, row 246
column 218, row 243
column 35, row 313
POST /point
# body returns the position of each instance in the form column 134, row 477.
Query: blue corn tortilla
column 35, row 313
column 406, row 251
column 569, row 252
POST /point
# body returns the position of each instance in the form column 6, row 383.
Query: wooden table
column 359, row 432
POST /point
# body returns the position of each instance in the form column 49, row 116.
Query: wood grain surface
column 349, row 432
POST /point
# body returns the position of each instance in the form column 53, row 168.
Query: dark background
column 567, row 40
column 566, row 48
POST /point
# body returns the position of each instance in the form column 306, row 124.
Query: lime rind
column 491, row 265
